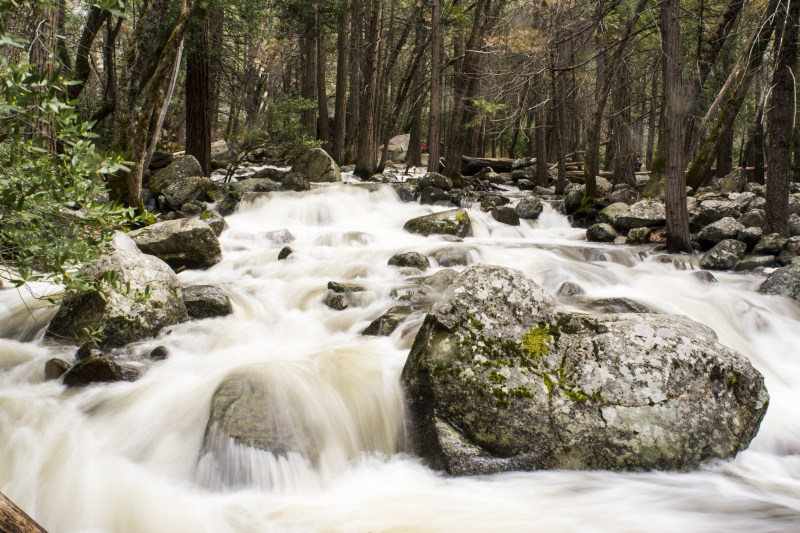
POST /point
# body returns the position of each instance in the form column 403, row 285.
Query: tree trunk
column 342, row 63
column 435, row 116
column 674, row 117
column 309, row 49
column 198, row 92
column 366, row 158
column 625, row 158
column 414, row 156
column 15, row 520
column 216, row 36
column 356, row 79
column 322, row 96
column 41, row 54
column 699, row 171
column 651, row 123
column 541, row 147
column 779, row 123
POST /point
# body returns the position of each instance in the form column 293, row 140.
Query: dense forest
column 700, row 86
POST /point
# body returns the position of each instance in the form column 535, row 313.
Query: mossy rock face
column 454, row 222
column 498, row 380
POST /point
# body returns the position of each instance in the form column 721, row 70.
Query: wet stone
column 284, row 253
column 55, row 368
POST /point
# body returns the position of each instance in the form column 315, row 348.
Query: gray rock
column 55, row 368
column 724, row 255
column 385, row 324
column 451, row 256
column 753, row 218
column 783, row 282
column 187, row 243
column 705, row 276
column 146, row 297
column 491, row 201
column 215, row 220
column 526, row 185
column 601, row 232
column 544, row 191
column 725, row 228
column 281, row 236
column 742, row 200
column 626, row 195
column 734, row 181
column 250, row 409
column 569, row 289
column 184, row 189
column 771, row 243
column 337, row 302
column 495, row 381
column 594, row 255
column 610, row 213
column 182, row 167
column 713, row 210
column 438, row 281
column 794, row 224
column 296, row 182
column 638, row 236
column 527, row 173
column 193, row 207
column 618, row 305
column 159, row 353
column 756, row 263
column 645, row 213
column 405, row 191
column 495, row 178
column 759, row 203
column 454, row 222
column 252, row 185
column 573, row 199
column 410, row 260
column 317, row 166
column 89, row 350
column 434, row 179
column 270, row 173
column 749, row 236
column 529, row 208
column 98, row 371
column 206, row 301
column 344, row 288
column 226, row 202
column 506, row 215
column 340, row 296
column 604, row 186
column 435, row 195
column 755, row 188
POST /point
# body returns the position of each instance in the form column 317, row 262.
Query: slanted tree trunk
column 674, row 117
column 198, row 92
column 15, row 520
column 732, row 97
column 342, row 63
column 780, row 119
column 435, row 116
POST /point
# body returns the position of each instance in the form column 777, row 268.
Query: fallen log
column 472, row 165
column 15, row 520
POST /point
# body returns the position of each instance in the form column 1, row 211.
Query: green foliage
column 53, row 217
column 282, row 120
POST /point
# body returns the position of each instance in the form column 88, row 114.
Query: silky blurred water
column 129, row 457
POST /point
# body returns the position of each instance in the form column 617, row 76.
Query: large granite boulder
column 434, row 179
column 454, row 222
column 724, row 255
column 715, row 209
column 722, row 229
column 734, row 181
column 182, row 167
column 645, row 213
column 316, row 165
column 186, row 189
column 141, row 295
column 530, row 208
column 601, row 232
column 253, row 185
column 206, row 301
column 496, row 380
column 783, row 282
column 610, row 213
column 187, row 242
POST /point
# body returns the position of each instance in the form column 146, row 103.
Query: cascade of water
column 135, row 457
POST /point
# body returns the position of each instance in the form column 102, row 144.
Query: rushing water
column 128, row 457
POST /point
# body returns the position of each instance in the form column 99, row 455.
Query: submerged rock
column 385, row 324
column 506, row 215
column 410, row 260
column 454, row 222
column 55, row 368
column 496, row 380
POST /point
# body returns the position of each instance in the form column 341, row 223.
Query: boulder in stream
column 530, row 208
column 316, row 165
column 497, row 380
column 144, row 297
column 783, row 282
column 100, row 370
column 410, row 260
column 645, row 213
column 206, row 301
column 188, row 243
column 182, row 167
column 454, row 222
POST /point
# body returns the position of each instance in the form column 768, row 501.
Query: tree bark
column 625, row 158
column 15, row 520
column 779, row 123
column 322, row 96
column 366, row 159
column 674, row 117
column 198, row 92
column 435, row 115
column 342, row 63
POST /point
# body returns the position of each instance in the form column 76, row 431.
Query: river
column 127, row 457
